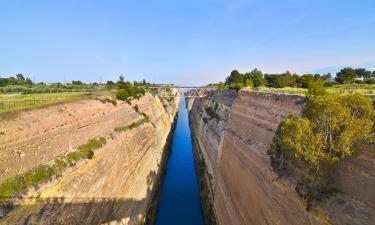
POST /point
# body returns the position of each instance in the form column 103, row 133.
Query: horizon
column 190, row 43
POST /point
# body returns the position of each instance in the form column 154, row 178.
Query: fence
column 31, row 101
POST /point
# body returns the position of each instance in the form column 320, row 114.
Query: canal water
column 179, row 201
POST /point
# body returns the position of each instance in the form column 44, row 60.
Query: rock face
column 238, row 185
column 118, row 185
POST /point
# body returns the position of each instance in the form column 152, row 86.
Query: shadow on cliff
column 76, row 210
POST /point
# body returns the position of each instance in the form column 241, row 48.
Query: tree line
column 256, row 78
column 18, row 80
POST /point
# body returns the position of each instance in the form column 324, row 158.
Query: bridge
column 185, row 91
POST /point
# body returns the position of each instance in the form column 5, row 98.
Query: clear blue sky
column 182, row 42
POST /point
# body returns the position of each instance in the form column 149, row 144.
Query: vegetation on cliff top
column 347, row 80
column 325, row 133
column 13, row 186
column 126, row 90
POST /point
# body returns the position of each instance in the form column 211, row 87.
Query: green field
column 20, row 102
column 366, row 89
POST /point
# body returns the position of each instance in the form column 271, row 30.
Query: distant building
column 360, row 78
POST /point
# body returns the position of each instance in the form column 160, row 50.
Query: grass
column 131, row 126
column 285, row 90
column 20, row 102
column 366, row 89
column 15, row 185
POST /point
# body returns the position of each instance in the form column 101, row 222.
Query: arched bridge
column 185, row 91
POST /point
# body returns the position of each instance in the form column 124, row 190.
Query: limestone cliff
column 117, row 186
column 232, row 133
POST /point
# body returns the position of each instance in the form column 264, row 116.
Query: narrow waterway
column 179, row 200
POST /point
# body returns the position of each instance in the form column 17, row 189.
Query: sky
column 189, row 42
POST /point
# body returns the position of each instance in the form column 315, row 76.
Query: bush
column 329, row 127
column 87, row 149
column 211, row 113
column 131, row 126
column 236, row 86
column 126, row 91
column 14, row 185
column 136, row 108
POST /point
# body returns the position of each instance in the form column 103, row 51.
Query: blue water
column 179, row 200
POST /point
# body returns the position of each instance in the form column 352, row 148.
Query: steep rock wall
column 119, row 184
column 238, row 185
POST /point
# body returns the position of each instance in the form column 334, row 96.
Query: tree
column 121, row 78
column 329, row 127
column 296, row 142
column 327, row 76
column 76, row 82
column 285, row 80
column 342, row 120
column 110, row 83
column 20, row 77
column 361, row 72
column 346, row 76
column 126, row 90
column 305, row 79
column 257, row 77
column 28, row 81
column 3, row 82
column 235, row 77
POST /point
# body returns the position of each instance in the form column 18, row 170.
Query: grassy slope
column 19, row 102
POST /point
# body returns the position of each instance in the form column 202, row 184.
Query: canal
column 179, row 201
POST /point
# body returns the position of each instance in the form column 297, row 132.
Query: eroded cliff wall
column 117, row 186
column 238, row 185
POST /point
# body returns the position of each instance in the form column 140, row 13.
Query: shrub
column 136, row 108
column 131, row 126
column 212, row 113
column 126, row 91
column 87, row 149
column 329, row 127
column 236, row 86
column 14, row 185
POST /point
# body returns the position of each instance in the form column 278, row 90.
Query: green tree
column 329, row 127
column 327, row 76
column 20, row 77
column 257, row 77
column 361, row 72
column 346, row 76
column 110, row 83
column 3, row 82
column 305, row 79
column 235, row 77
column 28, row 81
column 342, row 120
column 296, row 142
column 285, row 80
column 77, row 82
